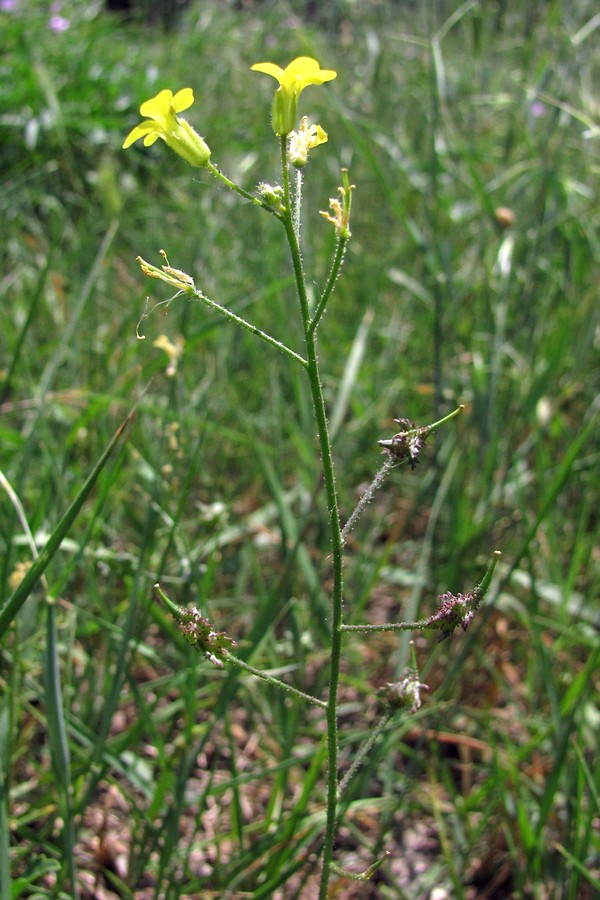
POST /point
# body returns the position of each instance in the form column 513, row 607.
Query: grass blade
column 22, row 591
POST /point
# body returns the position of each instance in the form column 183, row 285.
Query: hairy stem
column 369, row 494
column 216, row 173
column 334, row 528
column 331, row 280
column 248, row 326
column 276, row 682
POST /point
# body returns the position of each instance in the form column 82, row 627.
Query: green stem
column 363, row 752
column 333, row 276
column 276, row 682
column 239, row 190
column 369, row 494
column 212, row 304
column 297, row 206
column 420, row 625
column 285, row 174
column 334, row 527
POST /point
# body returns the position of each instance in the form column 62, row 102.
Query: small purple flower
column 538, row 109
column 9, row 5
column 59, row 23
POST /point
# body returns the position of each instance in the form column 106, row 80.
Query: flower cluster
column 341, row 208
column 174, row 277
column 162, row 120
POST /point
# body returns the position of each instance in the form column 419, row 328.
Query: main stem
column 334, row 528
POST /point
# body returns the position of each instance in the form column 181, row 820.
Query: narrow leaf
column 23, row 590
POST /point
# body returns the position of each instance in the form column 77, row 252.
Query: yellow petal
column 138, row 132
column 159, row 107
column 305, row 70
column 302, row 71
column 269, row 69
column 316, row 136
column 183, row 99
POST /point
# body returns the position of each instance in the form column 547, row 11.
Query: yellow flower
column 303, row 140
column 163, row 123
column 301, row 72
column 174, row 351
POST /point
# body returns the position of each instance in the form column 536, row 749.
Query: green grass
column 148, row 770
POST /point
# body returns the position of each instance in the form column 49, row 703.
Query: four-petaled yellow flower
column 292, row 80
column 163, row 123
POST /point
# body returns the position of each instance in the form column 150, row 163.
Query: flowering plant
column 284, row 201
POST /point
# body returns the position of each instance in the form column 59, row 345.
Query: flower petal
column 138, row 132
column 183, row 99
column 269, row 69
column 159, row 108
column 306, row 70
column 316, row 136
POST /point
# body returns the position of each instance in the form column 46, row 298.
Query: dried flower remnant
column 408, row 443
column 174, row 277
column 199, row 632
column 173, row 349
column 404, row 694
column 341, row 208
column 455, row 609
column 306, row 138
column 459, row 609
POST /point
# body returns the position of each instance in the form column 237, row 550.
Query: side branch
column 333, row 276
column 251, row 328
column 184, row 284
column 276, row 682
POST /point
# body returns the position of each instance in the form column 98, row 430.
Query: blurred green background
column 471, row 133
